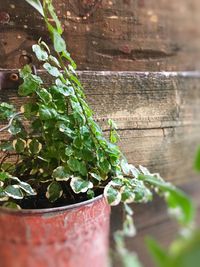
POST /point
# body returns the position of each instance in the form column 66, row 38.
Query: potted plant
column 56, row 193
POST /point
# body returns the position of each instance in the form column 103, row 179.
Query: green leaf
column 25, row 71
column 34, row 146
column 144, row 170
column 90, row 194
column 61, row 89
column 27, row 188
column 66, row 130
column 54, row 61
column 76, row 81
column 180, row 206
column 79, row 185
column 14, row 191
column 112, row 194
column 30, row 83
column 11, row 205
column 67, row 56
column 112, row 124
column 125, row 167
column 59, row 43
column 54, row 191
column 53, row 71
column 128, row 195
column 68, row 151
column 44, row 95
column 46, row 113
column 6, row 146
column 16, row 127
column 19, row 145
column 159, row 254
column 40, row 53
column 54, row 16
column 77, row 166
column 185, row 252
column 177, row 200
column 3, row 196
column 6, row 111
column 96, row 176
column 4, row 176
column 30, row 109
column 61, row 174
column 78, row 142
column 129, row 229
column 197, row 160
column 104, row 166
column 7, row 166
column 37, row 5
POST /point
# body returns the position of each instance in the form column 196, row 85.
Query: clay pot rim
column 51, row 210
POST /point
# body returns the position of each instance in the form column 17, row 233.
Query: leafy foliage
column 64, row 148
column 183, row 252
column 37, row 5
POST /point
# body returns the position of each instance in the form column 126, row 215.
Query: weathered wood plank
column 109, row 35
column 158, row 116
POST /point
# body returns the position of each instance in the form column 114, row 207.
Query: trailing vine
column 62, row 153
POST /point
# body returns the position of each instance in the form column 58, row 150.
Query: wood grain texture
column 141, row 35
column 158, row 116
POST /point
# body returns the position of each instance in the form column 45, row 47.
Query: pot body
column 70, row 236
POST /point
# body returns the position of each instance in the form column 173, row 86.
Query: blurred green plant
column 65, row 147
column 184, row 251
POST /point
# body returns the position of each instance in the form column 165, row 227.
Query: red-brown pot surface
column 70, row 236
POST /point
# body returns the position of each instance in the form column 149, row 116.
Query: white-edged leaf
column 19, row 145
column 59, row 43
column 134, row 171
column 11, row 205
column 79, row 185
column 39, row 52
column 144, row 170
column 125, row 167
column 3, row 196
column 52, row 70
column 44, row 180
column 129, row 227
column 44, row 95
column 128, row 195
column 54, row 191
column 112, row 194
column 37, row 5
column 96, row 176
column 34, row 146
column 14, row 191
column 27, row 188
column 61, row 174
column 54, row 61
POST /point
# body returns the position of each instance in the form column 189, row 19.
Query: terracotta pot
column 70, row 236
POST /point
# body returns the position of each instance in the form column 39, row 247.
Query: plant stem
column 10, row 121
